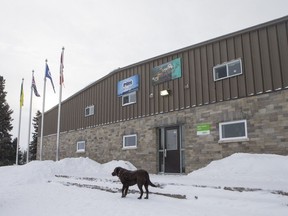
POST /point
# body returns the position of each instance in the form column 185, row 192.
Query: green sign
column 203, row 129
column 166, row 72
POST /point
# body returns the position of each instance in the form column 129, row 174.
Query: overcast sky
column 100, row 36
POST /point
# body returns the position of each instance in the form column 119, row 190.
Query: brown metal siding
column 86, row 103
column 233, row 80
column 155, row 93
column 263, row 51
column 121, row 116
column 151, row 101
column 225, row 82
column 192, row 79
column 186, row 79
column 247, row 65
column 282, row 33
column 204, row 72
column 211, row 83
column 105, row 102
column 181, row 93
column 217, row 60
column 241, row 84
column 100, row 102
column 145, row 86
column 144, row 92
column 275, row 58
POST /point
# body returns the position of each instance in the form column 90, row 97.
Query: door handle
column 165, row 153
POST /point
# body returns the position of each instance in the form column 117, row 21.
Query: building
column 177, row 112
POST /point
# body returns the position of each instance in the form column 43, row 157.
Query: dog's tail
column 151, row 184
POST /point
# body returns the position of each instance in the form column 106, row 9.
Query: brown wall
column 264, row 53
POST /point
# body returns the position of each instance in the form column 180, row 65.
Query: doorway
column 170, row 150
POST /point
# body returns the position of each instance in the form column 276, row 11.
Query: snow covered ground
column 242, row 184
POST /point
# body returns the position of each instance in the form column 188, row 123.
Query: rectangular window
column 130, row 141
column 234, row 130
column 228, row 69
column 129, row 98
column 89, row 110
column 81, row 146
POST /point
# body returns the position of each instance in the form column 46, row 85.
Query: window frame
column 91, row 110
column 129, row 95
column 129, row 147
column 226, row 64
column 231, row 139
column 78, row 150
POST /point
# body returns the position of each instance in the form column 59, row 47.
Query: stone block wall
column 267, row 124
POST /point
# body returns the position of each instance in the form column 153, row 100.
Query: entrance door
column 170, row 150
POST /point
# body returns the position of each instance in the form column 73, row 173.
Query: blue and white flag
column 48, row 75
column 35, row 88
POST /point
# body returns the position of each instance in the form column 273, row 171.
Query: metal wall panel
column 174, row 99
column 198, row 74
column 192, row 79
column 217, row 61
column 144, row 91
column 282, row 30
column 275, row 69
column 152, row 91
column 186, row 80
column 210, row 64
column 204, row 75
column 156, row 94
column 181, row 87
column 117, row 107
column 247, row 65
column 263, row 57
column 224, row 58
column 94, row 100
column 241, row 84
column 233, row 80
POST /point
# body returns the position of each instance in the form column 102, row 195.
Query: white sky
column 100, row 36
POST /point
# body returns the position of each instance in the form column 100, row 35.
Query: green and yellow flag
column 22, row 94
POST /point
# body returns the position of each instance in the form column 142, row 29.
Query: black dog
column 129, row 178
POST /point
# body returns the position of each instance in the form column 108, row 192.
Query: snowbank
column 264, row 171
column 41, row 171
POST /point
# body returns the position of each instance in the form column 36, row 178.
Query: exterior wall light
column 165, row 92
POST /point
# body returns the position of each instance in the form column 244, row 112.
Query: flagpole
column 30, row 112
column 59, row 106
column 58, row 124
column 42, row 119
column 19, row 128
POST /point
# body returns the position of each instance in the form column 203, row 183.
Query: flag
column 34, row 87
column 62, row 67
column 48, row 75
column 21, row 95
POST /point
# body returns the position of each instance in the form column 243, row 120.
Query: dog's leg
column 126, row 191
column 147, row 191
column 123, row 191
column 141, row 190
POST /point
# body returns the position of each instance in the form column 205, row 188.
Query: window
column 229, row 69
column 89, row 110
column 129, row 98
column 130, row 141
column 234, row 130
column 81, row 146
